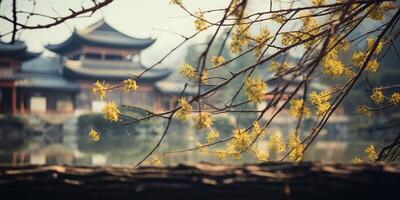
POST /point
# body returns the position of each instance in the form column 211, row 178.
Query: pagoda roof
column 103, row 35
column 18, row 51
column 81, row 71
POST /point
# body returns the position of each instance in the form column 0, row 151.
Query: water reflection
column 24, row 140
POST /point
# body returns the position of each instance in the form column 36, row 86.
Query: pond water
column 68, row 143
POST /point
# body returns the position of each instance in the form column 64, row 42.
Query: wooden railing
column 202, row 181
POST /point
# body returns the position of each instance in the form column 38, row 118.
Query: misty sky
column 139, row 18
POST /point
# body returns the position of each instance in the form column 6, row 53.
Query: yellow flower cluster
column 261, row 155
column 204, row 77
column 212, row 136
column 289, row 38
column 200, row 23
column 358, row 58
column 255, row 89
column 395, row 98
column 377, row 11
column 295, row 109
column 363, row 109
column 256, row 130
column 377, row 96
column 321, row 101
column 371, row 42
column 94, row 135
column 261, row 40
column 296, row 147
column 129, row 85
column 100, row 89
column 188, row 71
column 203, row 120
column 309, row 29
column 241, row 140
column 331, row 64
column 357, row 160
column 240, row 38
column 371, row 152
column 278, row 67
column 276, row 144
column 278, row 18
column 203, row 149
column 217, row 60
column 111, row 112
column 318, row 2
column 185, row 110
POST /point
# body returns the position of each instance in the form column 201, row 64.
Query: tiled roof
column 18, row 51
column 7, row 75
column 48, row 81
column 101, row 34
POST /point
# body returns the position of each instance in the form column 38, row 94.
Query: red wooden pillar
column 14, row 99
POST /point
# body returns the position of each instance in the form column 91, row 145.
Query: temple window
column 114, row 57
column 93, row 56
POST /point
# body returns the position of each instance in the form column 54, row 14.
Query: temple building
column 64, row 83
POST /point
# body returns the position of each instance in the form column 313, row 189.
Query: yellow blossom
column 331, row 64
column 221, row 154
column 261, row 155
column 204, row 77
column 240, row 38
column 289, row 38
column 212, row 136
column 371, row 152
column 278, row 67
column 188, row 71
column 276, row 144
column 376, row 12
column 94, row 135
column 241, row 140
column 371, row 42
column 111, row 112
column 255, row 89
column 156, row 161
column 321, row 101
column 363, row 109
column 372, row 65
column 358, row 58
column 318, row 2
column 100, row 89
column 185, row 110
column 217, row 60
column 129, row 85
column 261, row 39
column 203, row 149
column 296, row 147
column 395, row 98
column 357, row 160
column 278, row 18
column 296, row 106
column 256, row 130
column 200, row 22
column 316, row 98
column 203, row 120
column 377, row 95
